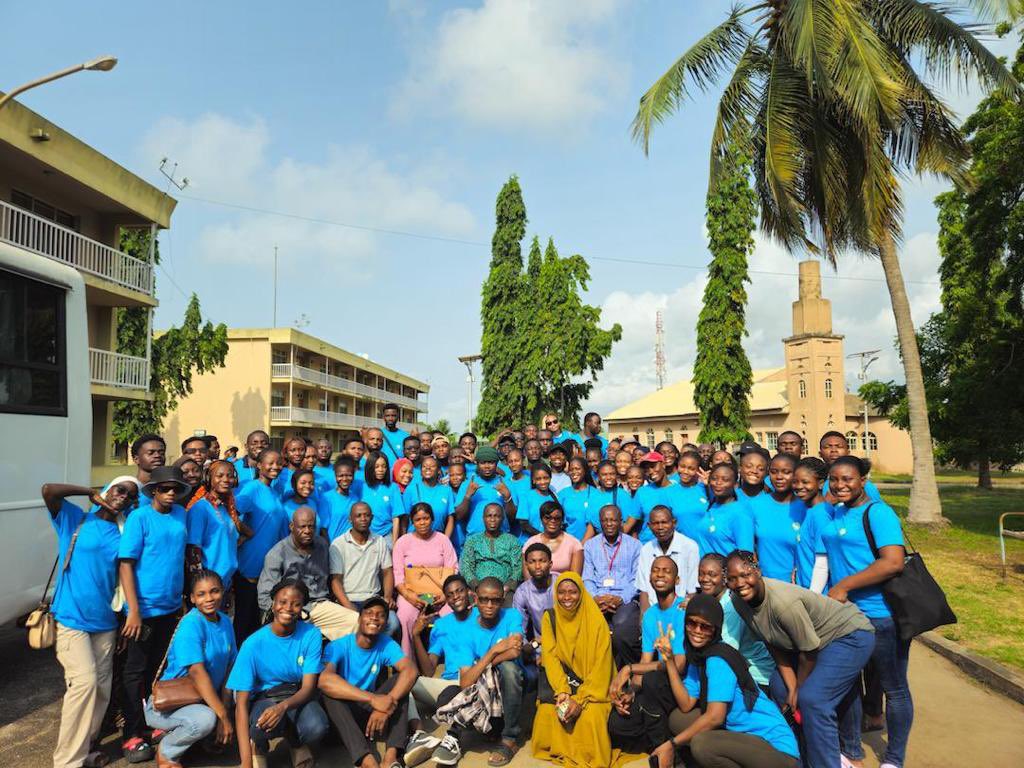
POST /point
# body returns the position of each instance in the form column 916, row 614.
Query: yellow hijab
column 583, row 643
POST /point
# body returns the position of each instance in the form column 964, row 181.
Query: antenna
column 170, row 176
column 301, row 321
column 659, row 350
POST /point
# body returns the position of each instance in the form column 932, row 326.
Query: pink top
column 561, row 554
column 435, row 552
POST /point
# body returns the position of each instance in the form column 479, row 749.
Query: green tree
column 830, row 99
column 721, row 374
column 176, row 355
column 501, row 399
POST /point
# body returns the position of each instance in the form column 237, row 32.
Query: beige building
column 807, row 395
column 61, row 198
column 289, row 383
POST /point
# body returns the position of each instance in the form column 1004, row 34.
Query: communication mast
column 659, row 350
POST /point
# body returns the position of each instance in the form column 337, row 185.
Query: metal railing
column 301, row 372
column 326, row 418
column 113, row 369
column 34, row 233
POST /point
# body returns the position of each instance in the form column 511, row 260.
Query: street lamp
column 468, row 361
column 102, row 64
column 866, row 359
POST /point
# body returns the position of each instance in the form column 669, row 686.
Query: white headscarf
column 118, row 602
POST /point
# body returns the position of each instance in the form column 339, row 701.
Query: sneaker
column 449, row 752
column 420, row 747
column 137, row 750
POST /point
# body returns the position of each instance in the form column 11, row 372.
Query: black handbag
column 545, row 694
column 914, row 598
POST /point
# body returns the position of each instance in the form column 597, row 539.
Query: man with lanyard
column 393, row 436
column 609, row 574
column 255, row 443
column 592, row 430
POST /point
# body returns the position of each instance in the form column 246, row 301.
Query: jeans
column 511, row 677
column 141, row 659
column 185, row 726
column 890, row 658
column 829, row 700
column 305, row 725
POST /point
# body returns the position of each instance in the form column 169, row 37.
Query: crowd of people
column 688, row 604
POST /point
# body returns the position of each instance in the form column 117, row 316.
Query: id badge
column 608, row 582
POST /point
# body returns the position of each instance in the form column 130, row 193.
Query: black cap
column 562, row 448
column 167, row 474
column 506, row 439
column 375, row 600
column 750, row 446
column 593, row 442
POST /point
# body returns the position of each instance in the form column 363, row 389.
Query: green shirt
column 483, row 556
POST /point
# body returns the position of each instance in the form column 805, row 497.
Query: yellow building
column 61, row 198
column 289, row 383
column 807, row 395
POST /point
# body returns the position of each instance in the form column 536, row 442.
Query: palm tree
column 830, row 99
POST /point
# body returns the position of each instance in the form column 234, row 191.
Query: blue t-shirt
column 528, row 510
column 393, row 442
column 647, row 498
column 313, row 502
column 486, row 493
column 576, row 505
column 84, row 592
column 211, row 529
column 282, row 484
column 843, row 540
column 266, row 660
column 674, row 616
column 723, row 528
column 688, row 503
column 816, row 517
column 601, row 498
column 450, row 641
column 324, row 477
column 438, row 496
column 482, row 639
column 259, row 508
column 361, row 666
column 777, row 534
column 334, row 511
column 245, row 474
column 156, row 542
column 764, row 720
column 386, row 504
column 200, row 641
column 870, row 489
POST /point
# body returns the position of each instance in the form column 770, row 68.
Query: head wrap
column 582, row 643
column 486, row 453
column 710, row 609
column 396, row 468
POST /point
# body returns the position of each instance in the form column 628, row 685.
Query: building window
column 870, row 442
column 851, row 439
column 277, row 398
column 650, row 439
column 668, row 434
column 301, row 398
column 802, row 388
column 44, row 210
column 760, row 437
column 828, row 389
column 279, row 356
column 804, row 451
column 771, row 440
column 33, row 368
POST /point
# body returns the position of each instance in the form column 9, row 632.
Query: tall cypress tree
column 501, row 344
column 722, row 378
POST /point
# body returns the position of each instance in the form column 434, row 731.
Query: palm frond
column 806, row 28
column 998, row 10
column 737, row 107
column 702, row 64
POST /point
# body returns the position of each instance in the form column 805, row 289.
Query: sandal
column 502, row 754
column 96, row 759
column 302, row 757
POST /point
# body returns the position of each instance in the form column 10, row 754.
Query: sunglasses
column 699, row 626
column 165, row 489
column 490, row 600
column 550, row 423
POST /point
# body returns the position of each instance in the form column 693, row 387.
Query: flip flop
column 502, row 754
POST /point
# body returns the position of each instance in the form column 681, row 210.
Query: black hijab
column 710, row 609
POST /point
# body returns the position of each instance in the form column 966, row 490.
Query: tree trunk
column 925, row 506
column 984, row 472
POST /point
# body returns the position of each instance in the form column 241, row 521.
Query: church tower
column 814, row 363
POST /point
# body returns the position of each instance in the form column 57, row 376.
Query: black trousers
column 349, row 718
column 872, row 696
column 247, row 609
column 647, row 724
column 141, row 659
column 729, row 749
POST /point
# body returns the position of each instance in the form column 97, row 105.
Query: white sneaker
column 449, row 752
column 420, row 747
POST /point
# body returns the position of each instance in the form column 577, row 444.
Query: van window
column 33, row 368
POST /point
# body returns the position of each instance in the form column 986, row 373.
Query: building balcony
column 329, row 381
column 94, row 259
column 118, row 377
column 287, row 415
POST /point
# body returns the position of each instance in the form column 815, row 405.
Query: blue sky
column 409, row 117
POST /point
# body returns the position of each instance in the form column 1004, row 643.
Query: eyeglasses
column 699, row 626
column 166, row 489
column 490, row 600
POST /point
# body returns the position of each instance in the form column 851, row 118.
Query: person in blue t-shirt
column 274, row 681
column 808, row 479
column 256, row 442
column 214, row 525
column 553, row 423
column 778, row 517
column 528, row 504
column 688, row 497
column 152, row 570
column 833, row 445
column 857, row 570
column 608, row 491
column 323, row 468
column 86, row 624
column 429, row 488
column 482, row 487
column 576, row 499
column 393, row 436
column 384, row 498
column 725, row 525
column 753, row 470
column 333, row 513
column 362, row 708
column 292, row 455
column 592, row 431
column 304, row 494
column 411, row 450
column 203, row 649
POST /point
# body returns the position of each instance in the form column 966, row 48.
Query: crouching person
column 361, row 707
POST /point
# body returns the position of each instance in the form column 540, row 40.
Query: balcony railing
column 113, row 369
column 26, row 230
column 326, row 418
column 289, row 371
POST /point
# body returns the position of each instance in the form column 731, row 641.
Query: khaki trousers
column 87, row 659
column 332, row 620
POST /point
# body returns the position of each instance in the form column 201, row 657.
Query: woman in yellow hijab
column 576, row 656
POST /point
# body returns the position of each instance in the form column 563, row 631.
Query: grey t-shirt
column 359, row 565
column 794, row 618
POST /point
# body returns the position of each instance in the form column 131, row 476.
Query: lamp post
column 102, row 64
column 866, row 359
column 468, row 361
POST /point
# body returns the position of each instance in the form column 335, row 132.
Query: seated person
column 306, row 556
column 274, row 681
column 492, row 553
column 361, row 566
column 361, row 707
column 531, row 599
column 610, row 561
column 667, row 542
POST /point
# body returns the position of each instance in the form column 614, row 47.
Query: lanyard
column 611, row 561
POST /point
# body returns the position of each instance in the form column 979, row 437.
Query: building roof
column 676, row 400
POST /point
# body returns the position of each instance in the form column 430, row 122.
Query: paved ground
column 958, row 722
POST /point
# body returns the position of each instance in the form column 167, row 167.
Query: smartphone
column 145, row 632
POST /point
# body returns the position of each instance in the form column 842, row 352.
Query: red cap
column 652, row 457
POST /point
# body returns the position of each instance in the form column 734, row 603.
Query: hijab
column 582, row 641
column 395, row 469
column 710, row 609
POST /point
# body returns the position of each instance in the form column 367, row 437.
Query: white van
column 45, row 413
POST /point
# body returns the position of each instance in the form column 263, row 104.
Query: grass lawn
column 964, row 559
column 954, row 477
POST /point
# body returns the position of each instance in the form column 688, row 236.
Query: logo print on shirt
column 300, row 660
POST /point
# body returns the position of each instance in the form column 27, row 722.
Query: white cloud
column 517, row 63
column 231, row 161
column 860, row 311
